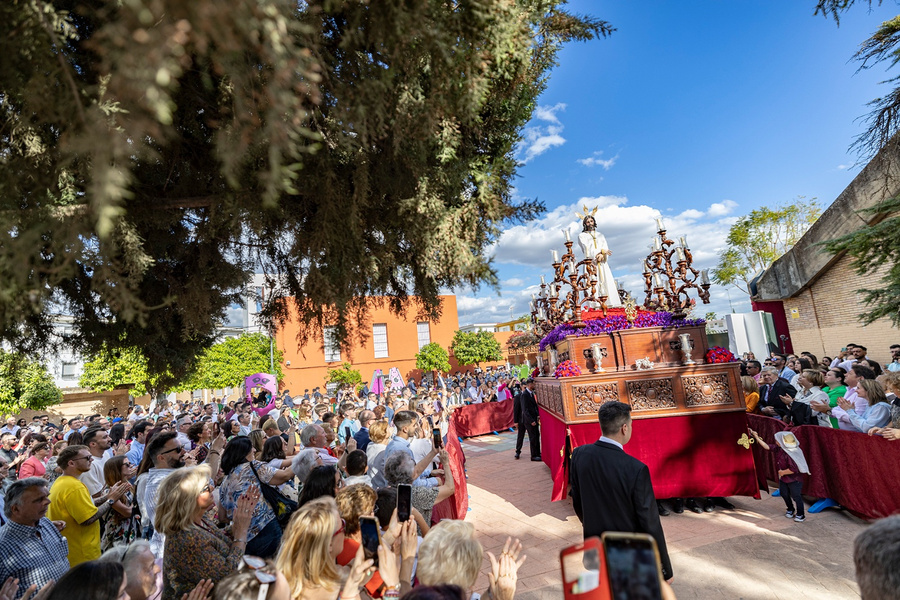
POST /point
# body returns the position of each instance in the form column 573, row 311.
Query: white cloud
column 548, row 113
column 540, row 138
column 843, row 167
column 628, row 229
column 720, row 209
column 595, row 160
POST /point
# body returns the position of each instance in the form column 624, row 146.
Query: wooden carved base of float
column 658, row 392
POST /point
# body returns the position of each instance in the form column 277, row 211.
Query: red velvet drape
column 858, row 471
column 695, row 455
column 457, row 505
column 479, row 419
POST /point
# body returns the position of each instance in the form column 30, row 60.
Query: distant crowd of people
column 850, row 391
column 250, row 499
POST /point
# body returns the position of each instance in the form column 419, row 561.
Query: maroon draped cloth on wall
column 456, row 506
column 857, row 471
column 479, row 419
column 695, row 455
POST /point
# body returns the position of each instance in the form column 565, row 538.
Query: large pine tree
column 156, row 152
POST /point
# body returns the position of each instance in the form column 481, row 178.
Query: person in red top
column 36, row 464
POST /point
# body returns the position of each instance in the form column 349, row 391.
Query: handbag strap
column 261, row 484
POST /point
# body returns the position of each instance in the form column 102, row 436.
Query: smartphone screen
column 404, row 502
column 438, row 440
column 347, row 434
column 371, row 537
column 632, row 565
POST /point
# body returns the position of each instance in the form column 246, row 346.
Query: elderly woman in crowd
column 242, row 472
column 399, row 468
column 140, row 565
column 450, row 554
column 304, row 462
column 800, row 405
column 195, row 548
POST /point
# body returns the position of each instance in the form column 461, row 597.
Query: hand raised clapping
column 505, row 571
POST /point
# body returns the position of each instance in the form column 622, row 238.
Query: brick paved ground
column 750, row 553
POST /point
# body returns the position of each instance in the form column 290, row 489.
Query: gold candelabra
column 576, row 285
column 669, row 274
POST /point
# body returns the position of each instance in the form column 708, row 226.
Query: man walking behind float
column 611, row 491
column 525, row 411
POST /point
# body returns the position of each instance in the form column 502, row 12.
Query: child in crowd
column 791, row 464
column 357, row 468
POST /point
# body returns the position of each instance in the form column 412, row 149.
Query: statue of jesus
column 593, row 245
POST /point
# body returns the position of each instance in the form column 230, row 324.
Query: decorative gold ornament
column 745, row 441
column 586, row 212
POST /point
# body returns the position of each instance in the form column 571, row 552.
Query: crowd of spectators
column 849, row 391
column 250, row 499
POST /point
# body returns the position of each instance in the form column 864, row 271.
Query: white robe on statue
column 591, row 243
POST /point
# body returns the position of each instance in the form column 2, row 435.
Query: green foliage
column 710, row 316
column 522, row 340
column 112, row 367
column 433, row 357
column 228, row 362
column 156, row 153
column 756, row 240
column 875, row 247
column 345, row 374
column 475, row 347
column 24, row 384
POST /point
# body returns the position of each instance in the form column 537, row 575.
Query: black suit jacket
column 611, row 491
column 779, row 388
column 529, row 407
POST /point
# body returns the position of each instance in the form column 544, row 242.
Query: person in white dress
column 593, row 245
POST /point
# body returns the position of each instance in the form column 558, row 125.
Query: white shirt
column 354, row 479
column 185, row 441
column 603, row 438
column 93, row 480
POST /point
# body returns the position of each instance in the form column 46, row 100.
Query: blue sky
column 697, row 111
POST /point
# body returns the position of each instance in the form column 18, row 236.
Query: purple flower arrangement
column 567, row 368
column 614, row 323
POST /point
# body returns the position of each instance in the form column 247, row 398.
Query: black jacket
column 773, row 397
column 529, row 407
column 611, row 491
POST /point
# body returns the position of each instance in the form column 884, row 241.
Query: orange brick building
column 392, row 342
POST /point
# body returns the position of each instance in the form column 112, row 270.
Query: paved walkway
column 750, row 553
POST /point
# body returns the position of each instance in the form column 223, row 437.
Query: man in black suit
column 611, row 491
column 362, row 436
column 525, row 411
column 770, row 393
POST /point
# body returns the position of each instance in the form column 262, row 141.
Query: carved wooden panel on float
column 670, row 388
